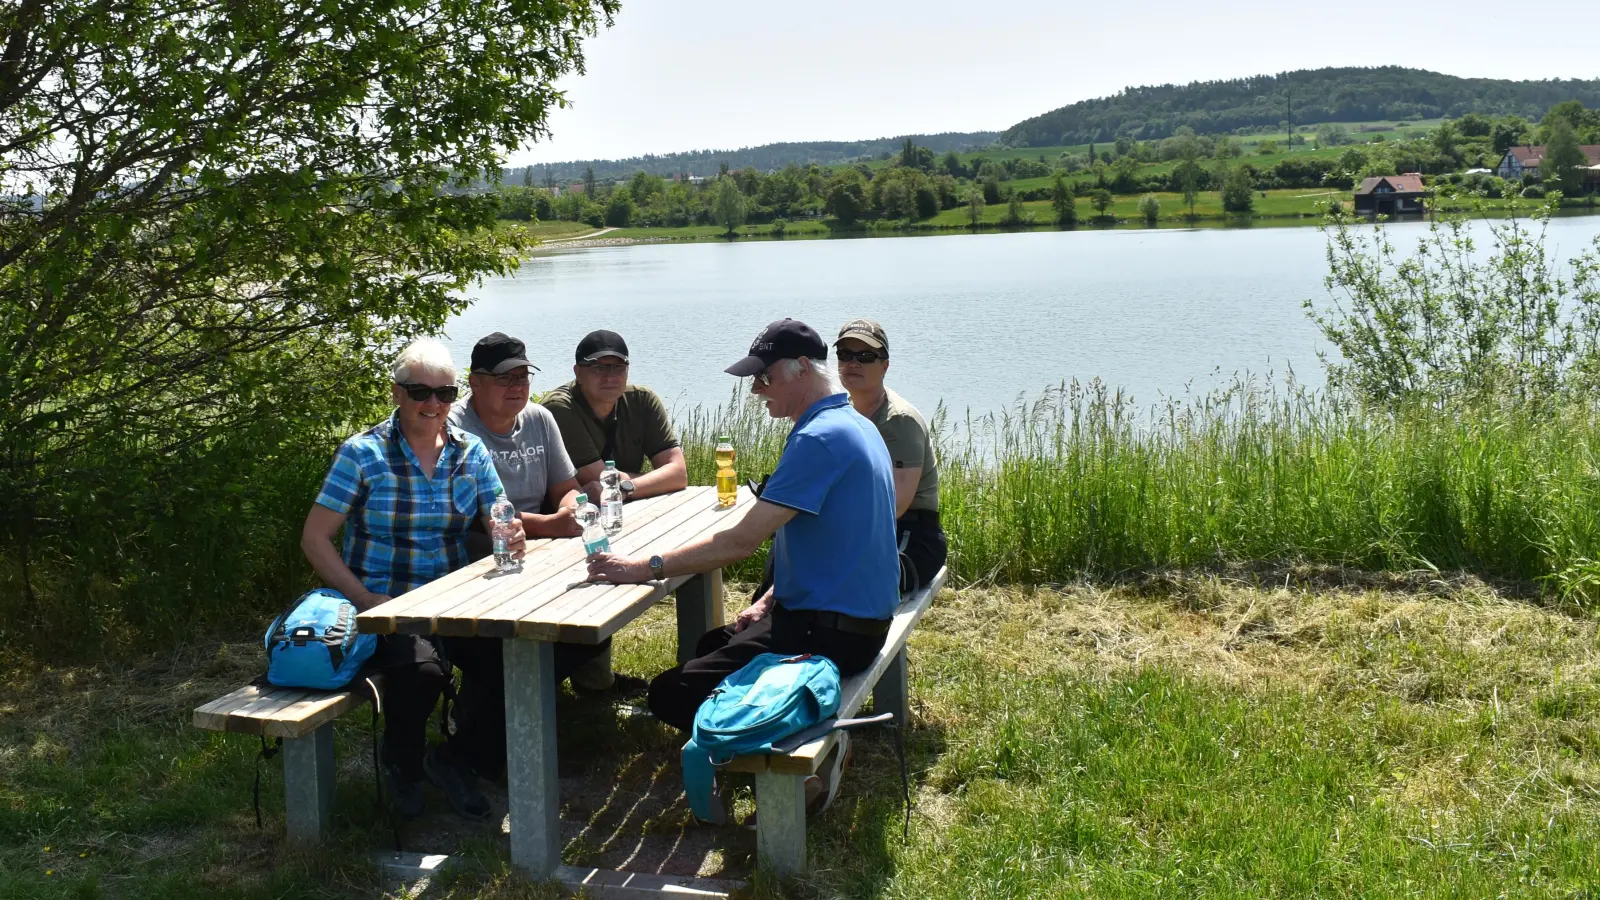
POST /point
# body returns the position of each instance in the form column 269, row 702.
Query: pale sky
column 715, row 74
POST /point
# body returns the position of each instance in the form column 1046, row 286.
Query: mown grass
column 1286, row 733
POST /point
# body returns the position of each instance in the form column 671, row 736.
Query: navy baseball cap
column 783, row 339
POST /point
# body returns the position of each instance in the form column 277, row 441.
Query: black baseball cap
column 599, row 344
column 783, row 339
column 499, row 353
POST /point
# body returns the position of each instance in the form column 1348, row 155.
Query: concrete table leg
column 308, row 785
column 533, row 791
column 892, row 693
column 699, row 610
column 781, row 822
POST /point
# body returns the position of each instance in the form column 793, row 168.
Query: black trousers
column 926, row 548
column 411, row 691
column 676, row 694
column 416, row 670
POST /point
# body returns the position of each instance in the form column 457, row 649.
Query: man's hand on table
column 561, row 523
column 609, row 568
column 753, row 613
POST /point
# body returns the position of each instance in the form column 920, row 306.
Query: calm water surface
column 973, row 320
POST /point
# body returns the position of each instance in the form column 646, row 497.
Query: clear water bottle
column 611, row 498
column 727, row 479
column 595, row 539
column 504, row 517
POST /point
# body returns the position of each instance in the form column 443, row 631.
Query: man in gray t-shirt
column 521, row 436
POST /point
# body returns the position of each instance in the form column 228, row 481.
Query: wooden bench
column 304, row 720
column 780, row 778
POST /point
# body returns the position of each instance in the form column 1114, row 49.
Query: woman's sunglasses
column 860, row 356
column 420, row 392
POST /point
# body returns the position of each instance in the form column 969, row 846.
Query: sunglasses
column 860, row 356
column 420, row 392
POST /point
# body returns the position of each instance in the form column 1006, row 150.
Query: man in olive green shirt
column 603, row 417
column 863, row 351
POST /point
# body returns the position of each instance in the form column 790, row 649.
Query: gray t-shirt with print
column 529, row 459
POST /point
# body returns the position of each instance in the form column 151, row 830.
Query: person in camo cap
column 862, row 349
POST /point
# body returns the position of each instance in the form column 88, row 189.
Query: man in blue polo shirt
column 830, row 505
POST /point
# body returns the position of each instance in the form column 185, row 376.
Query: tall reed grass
column 1080, row 483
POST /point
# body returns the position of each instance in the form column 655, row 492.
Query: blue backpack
column 772, row 698
column 314, row 643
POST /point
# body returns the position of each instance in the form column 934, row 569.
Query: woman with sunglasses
column 863, row 352
column 405, row 491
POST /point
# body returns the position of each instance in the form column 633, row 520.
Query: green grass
column 1290, row 735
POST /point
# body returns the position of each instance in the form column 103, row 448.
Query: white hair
column 423, row 355
column 789, row 370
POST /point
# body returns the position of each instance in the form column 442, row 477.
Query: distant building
column 1388, row 195
column 1520, row 161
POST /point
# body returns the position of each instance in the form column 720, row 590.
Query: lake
column 974, row 320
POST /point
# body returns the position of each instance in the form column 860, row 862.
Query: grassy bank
column 1180, row 736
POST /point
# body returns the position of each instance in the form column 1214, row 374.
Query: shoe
column 822, row 788
column 622, row 687
column 405, row 794
column 458, row 785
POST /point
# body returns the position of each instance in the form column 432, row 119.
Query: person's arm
column 560, row 523
column 519, row 537
column 668, row 473
column 702, row 555
column 905, row 489
column 589, row 479
column 316, row 541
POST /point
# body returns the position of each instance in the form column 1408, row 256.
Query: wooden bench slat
column 278, row 712
column 854, row 691
column 381, row 619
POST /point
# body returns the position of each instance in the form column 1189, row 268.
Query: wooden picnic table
column 549, row 600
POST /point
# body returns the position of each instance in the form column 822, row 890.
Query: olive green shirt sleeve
column 581, row 448
column 907, row 441
column 658, row 433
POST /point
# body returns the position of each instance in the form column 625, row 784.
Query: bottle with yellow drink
column 727, row 481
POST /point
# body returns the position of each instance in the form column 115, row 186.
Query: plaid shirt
column 405, row 529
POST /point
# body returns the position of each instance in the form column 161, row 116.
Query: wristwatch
column 658, row 567
column 625, row 485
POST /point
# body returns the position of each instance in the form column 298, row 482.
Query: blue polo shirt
column 839, row 553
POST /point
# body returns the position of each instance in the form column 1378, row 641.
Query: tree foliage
column 1562, row 166
column 730, row 205
column 1063, row 203
column 1239, row 190
column 219, row 218
column 1320, row 95
column 1452, row 322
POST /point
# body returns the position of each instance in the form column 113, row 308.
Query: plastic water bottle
column 611, row 498
column 503, row 515
column 727, row 479
column 595, row 539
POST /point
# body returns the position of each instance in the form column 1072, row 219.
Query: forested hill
column 1319, row 95
column 764, row 158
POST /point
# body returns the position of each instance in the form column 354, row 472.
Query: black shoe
column 405, row 794
column 458, row 785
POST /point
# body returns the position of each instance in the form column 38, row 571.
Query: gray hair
column 789, row 370
column 423, row 355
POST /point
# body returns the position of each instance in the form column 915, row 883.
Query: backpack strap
column 267, row 752
column 699, row 784
column 377, row 770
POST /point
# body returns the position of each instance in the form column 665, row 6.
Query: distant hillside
column 765, row 157
column 1319, row 95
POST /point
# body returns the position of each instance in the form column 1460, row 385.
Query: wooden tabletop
column 549, row 599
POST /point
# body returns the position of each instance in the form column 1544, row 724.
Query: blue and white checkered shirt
column 404, row 529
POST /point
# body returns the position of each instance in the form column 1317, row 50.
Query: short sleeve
column 575, row 439
column 557, row 462
column 806, row 473
column 341, row 487
column 658, row 433
column 906, row 440
column 481, row 466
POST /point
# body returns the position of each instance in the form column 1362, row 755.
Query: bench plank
column 277, row 712
column 806, row 759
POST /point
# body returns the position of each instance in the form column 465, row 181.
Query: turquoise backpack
column 773, row 697
column 314, row 643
